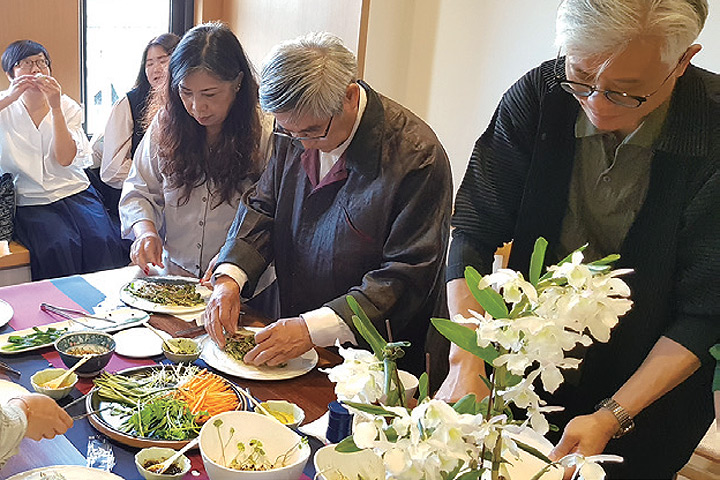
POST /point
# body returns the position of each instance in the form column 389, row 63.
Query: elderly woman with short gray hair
column 614, row 145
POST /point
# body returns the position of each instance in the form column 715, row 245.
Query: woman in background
column 126, row 124
column 200, row 154
column 59, row 216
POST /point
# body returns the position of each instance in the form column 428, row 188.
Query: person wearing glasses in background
column 615, row 144
column 355, row 201
column 60, row 217
column 127, row 122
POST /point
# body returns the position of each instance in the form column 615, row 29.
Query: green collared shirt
column 609, row 183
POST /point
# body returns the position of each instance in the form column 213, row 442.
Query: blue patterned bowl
column 74, row 345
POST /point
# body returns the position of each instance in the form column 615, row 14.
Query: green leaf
column 464, row 338
column 610, row 259
column 423, row 387
column 347, row 445
column 488, row 298
column 532, row 451
column 452, row 473
column 467, row 404
column 564, row 260
column 372, row 409
column 471, row 475
column 537, row 260
column 366, row 328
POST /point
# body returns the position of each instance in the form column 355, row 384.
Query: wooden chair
column 15, row 265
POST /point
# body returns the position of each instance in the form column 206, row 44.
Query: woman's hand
column 147, row 249
column 50, row 88
column 45, row 419
column 205, row 280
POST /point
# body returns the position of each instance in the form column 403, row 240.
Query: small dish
column 41, row 377
column 287, row 413
column 139, row 342
column 70, row 347
column 186, row 350
column 156, row 455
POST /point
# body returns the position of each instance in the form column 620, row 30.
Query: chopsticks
column 63, row 312
column 80, row 399
column 93, row 412
column 7, row 368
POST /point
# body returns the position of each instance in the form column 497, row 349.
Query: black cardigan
column 516, row 188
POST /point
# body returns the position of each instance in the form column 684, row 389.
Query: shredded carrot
column 207, row 392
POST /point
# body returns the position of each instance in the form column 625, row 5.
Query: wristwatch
column 621, row 415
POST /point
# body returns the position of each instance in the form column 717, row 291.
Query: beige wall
column 55, row 24
column 451, row 60
column 261, row 24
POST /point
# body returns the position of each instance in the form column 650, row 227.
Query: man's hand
column 279, row 342
column 45, row 419
column 463, row 377
column 18, row 85
column 223, row 310
column 586, row 434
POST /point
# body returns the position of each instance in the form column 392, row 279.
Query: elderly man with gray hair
column 616, row 144
column 355, row 201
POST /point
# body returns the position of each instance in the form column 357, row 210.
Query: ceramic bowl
column 94, row 340
column 409, row 381
column 286, row 411
column 157, row 455
column 186, row 345
column 332, row 465
column 276, row 439
column 43, row 376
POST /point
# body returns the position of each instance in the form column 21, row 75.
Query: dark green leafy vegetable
column 171, row 294
column 37, row 338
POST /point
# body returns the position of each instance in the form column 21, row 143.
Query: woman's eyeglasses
column 27, row 64
column 278, row 130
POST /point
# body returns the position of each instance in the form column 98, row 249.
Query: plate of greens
column 159, row 405
column 173, row 295
column 229, row 360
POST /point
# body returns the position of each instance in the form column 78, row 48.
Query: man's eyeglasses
column 623, row 99
column 27, row 64
column 278, row 130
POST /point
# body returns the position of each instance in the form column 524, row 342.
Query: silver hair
column 307, row 76
column 603, row 28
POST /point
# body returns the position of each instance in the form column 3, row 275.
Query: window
column 114, row 35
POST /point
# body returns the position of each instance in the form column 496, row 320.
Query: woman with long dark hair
column 60, row 217
column 126, row 125
column 200, row 154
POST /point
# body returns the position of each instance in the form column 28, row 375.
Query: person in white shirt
column 126, row 125
column 59, row 217
column 32, row 415
column 199, row 155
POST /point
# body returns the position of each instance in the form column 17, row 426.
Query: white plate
column 149, row 306
column 138, row 342
column 125, row 317
column 220, row 360
column 69, row 472
column 6, row 312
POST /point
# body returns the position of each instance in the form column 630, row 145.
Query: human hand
column 463, row 377
column 205, row 280
column 147, row 249
column 586, row 435
column 279, row 342
column 45, row 419
column 223, row 309
column 50, row 88
column 19, row 84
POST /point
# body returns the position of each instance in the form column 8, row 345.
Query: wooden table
column 312, row 391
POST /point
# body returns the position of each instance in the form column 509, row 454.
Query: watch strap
column 621, row 415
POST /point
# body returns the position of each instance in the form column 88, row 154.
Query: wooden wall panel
column 55, row 24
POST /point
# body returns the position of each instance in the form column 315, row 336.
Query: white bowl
column 275, row 437
column 287, row 408
column 332, row 465
column 158, row 454
column 43, row 376
column 410, row 383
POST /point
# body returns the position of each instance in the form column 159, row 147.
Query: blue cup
column 339, row 422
